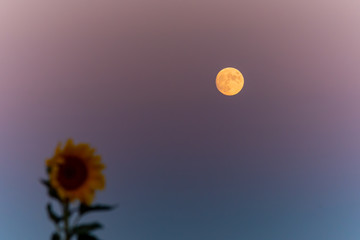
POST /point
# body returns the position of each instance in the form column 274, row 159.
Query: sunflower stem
column 66, row 219
column 76, row 221
column 58, row 229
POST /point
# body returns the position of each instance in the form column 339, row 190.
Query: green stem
column 58, row 230
column 66, row 219
column 76, row 221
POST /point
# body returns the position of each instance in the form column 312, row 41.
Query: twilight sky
column 136, row 80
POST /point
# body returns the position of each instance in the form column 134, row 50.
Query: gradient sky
column 136, row 80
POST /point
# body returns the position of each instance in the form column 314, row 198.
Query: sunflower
column 75, row 172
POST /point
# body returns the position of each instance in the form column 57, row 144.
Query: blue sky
column 136, row 80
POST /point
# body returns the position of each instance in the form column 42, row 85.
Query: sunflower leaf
column 51, row 191
column 85, row 228
column 45, row 182
column 53, row 216
column 55, row 236
column 99, row 207
column 86, row 237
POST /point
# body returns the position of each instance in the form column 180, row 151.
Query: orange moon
column 229, row 81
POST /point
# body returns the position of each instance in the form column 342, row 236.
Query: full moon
column 229, row 81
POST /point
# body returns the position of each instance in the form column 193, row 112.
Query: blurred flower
column 75, row 172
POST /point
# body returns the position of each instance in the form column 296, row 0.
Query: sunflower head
column 75, row 172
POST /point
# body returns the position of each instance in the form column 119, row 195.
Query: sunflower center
column 72, row 173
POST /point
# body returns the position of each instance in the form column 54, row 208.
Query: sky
column 136, row 80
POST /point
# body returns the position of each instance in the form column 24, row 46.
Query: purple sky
column 136, row 79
